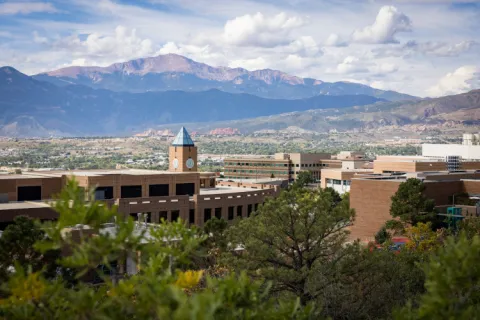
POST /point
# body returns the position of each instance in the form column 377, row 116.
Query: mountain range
column 32, row 107
column 454, row 110
column 158, row 92
column 175, row 72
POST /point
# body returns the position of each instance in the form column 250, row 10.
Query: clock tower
column 183, row 153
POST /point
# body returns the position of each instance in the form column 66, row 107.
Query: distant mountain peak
column 9, row 70
column 175, row 72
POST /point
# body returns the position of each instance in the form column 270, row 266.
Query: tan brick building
column 370, row 196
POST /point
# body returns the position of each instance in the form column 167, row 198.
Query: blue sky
column 421, row 47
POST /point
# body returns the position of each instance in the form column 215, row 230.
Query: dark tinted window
column 131, row 191
column 218, row 213
column 185, row 189
column 158, row 190
column 102, row 193
column 191, row 216
column 249, row 210
column 175, row 215
column 207, row 215
column 231, row 213
column 239, row 211
column 163, row 215
column 29, row 193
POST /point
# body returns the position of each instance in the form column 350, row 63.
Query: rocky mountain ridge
column 175, row 72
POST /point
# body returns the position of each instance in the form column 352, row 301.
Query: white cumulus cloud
column 349, row 65
column 259, row 30
column 388, row 23
column 123, row 45
column 461, row 80
column 304, row 46
column 12, row 8
column 334, row 40
column 249, row 64
column 205, row 53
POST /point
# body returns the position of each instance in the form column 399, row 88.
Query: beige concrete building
column 282, row 165
column 392, row 164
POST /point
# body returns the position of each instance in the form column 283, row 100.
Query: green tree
column 17, row 248
column 160, row 290
column 410, row 205
column 304, row 178
column 452, row 283
column 293, row 239
column 215, row 231
column 382, row 235
column 336, row 197
column 368, row 284
column 470, row 226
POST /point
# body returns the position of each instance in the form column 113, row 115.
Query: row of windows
column 232, row 211
column 304, row 165
column 249, row 164
column 155, row 190
column 338, row 182
column 258, row 171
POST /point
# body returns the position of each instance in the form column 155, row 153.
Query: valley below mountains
column 165, row 91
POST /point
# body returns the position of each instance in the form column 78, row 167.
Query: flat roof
column 256, row 159
column 226, row 190
column 88, row 173
column 23, row 205
column 348, row 170
column 136, row 172
column 26, row 175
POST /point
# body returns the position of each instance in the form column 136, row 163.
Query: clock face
column 190, row 163
column 175, row 163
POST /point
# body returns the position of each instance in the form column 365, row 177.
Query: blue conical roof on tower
column 183, row 139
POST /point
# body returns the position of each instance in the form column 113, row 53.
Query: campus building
column 371, row 188
column 288, row 165
column 370, row 196
column 181, row 192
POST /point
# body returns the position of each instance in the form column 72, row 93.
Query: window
column 163, row 215
column 218, row 213
column 29, row 193
column 191, row 216
column 239, row 211
column 337, row 182
column 144, row 215
column 183, row 189
column 102, row 193
column 158, row 190
column 249, row 210
column 230, row 213
column 131, row 191
column 256, row 206
column 207, row 215
column 175, row 215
